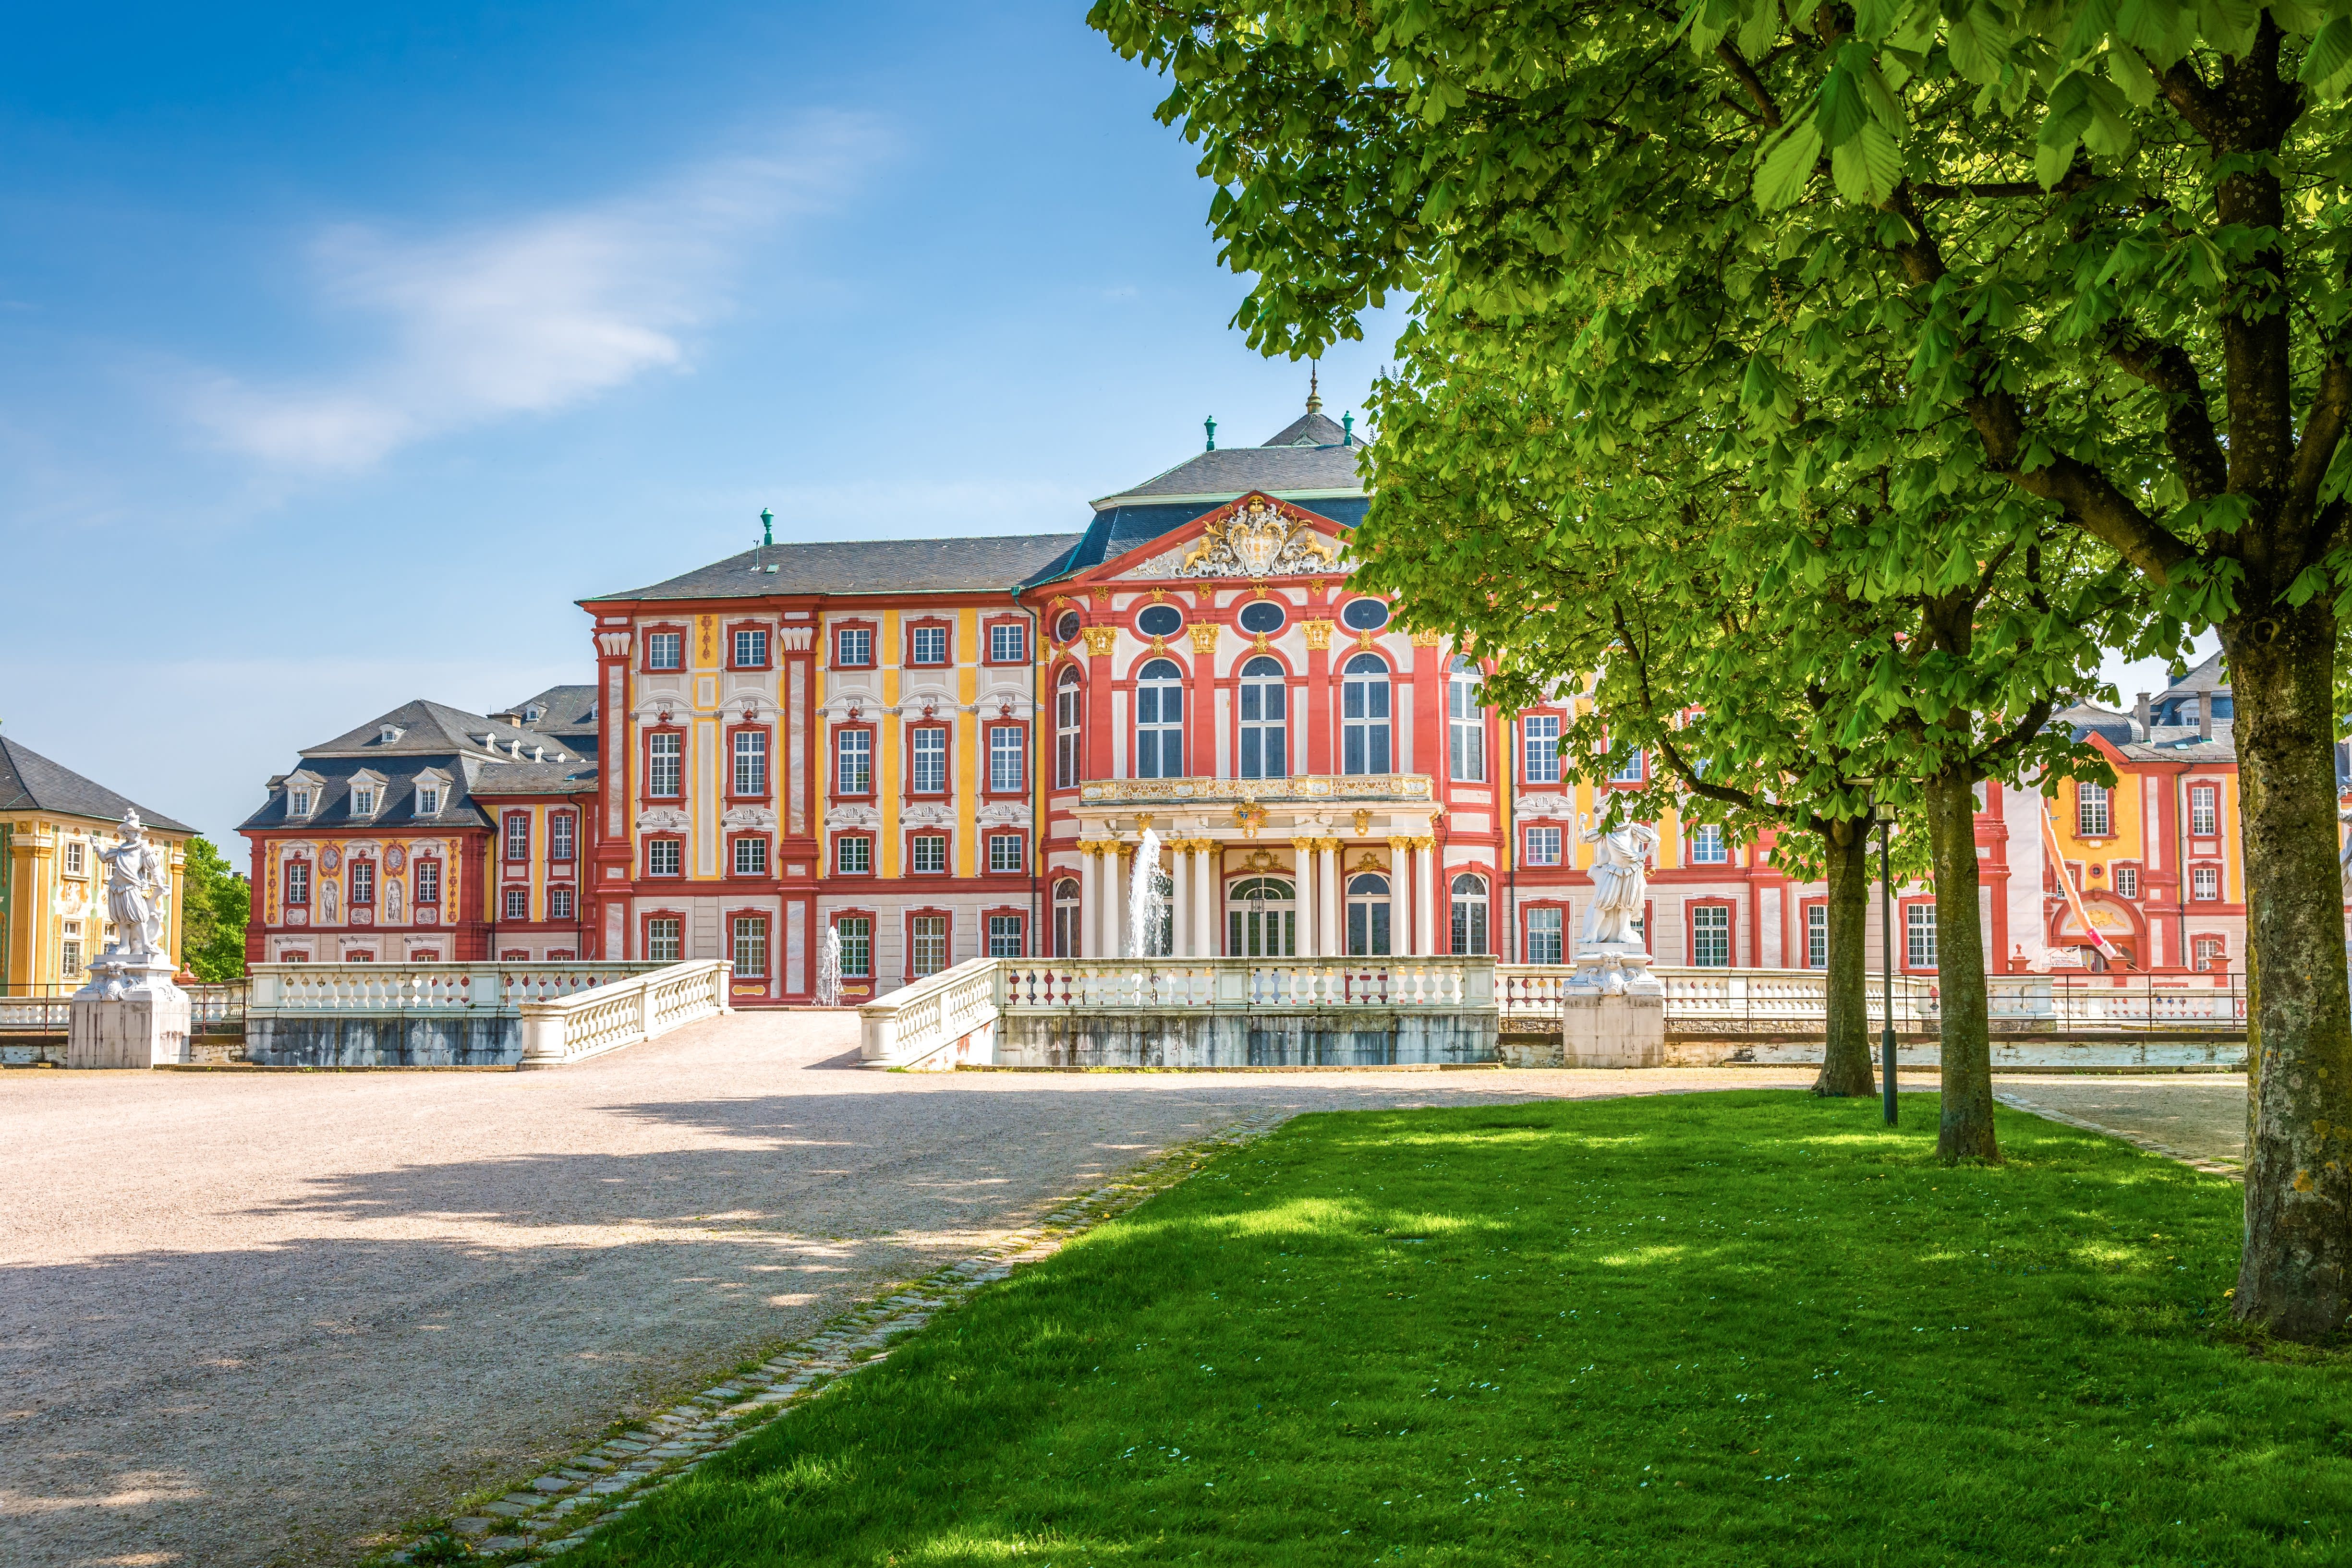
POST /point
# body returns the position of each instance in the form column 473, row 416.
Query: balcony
column 1302, row 789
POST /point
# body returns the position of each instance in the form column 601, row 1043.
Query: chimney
column 2205, row 717
column 2139, row 713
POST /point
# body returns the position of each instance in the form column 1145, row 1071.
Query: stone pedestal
column 130, row 1015
column 1612, row 1009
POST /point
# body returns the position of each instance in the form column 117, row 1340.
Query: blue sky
column 340, row 352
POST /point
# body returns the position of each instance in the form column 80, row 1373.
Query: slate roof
column 577, row 778
column 566, row 713
column 1232, row 471
column 2205, row 677
column 427, row 728
column 865, row 566
column 31, row 782
column 436, row 738
column 2182, row 743
column 2085, row 719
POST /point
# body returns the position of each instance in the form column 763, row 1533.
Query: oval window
column 1263, row 616
column 1364, row 615
column 1158, row 620
column 1065, row 630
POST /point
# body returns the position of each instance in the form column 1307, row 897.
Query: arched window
column 1066, row 918
column 1364, row 715
column 1466, row 722
column 1367, row 914
column 1266, row 722
column 1160, row 720
column 1069, row 702
column 1469, row 914
column 1262, row 919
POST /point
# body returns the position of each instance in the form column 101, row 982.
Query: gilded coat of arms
column 1259, row 540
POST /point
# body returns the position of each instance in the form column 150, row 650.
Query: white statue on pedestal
column 138, row 891
column 1621, row 882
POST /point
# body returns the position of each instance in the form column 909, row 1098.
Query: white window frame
column 1159, row 737
column 1008, row 853
column 660, row 850
column 853, row 752
column 1262, row 701
column 1706, row 845
column 1367, row 738
column 1007, row 937
column 428, row 800
column 1069, row 718
column 656, row 641
column 2204, row 810
column 750, row 648
column 1710, row 923
column 514, row 903
column 1543, row 846
column 926, row 760
column 922, row 639
column 1008, row 758
column 1817, row 935
column 559, row 903
column 1008, row 642
column 1466, row 724
column 665, row 765
column 853, row 647
column 856, row 934
column 752, row 764
column 665, row 938
column 1546, row 934
column 2205, row 884
column 842, row 857
column 2127, row 880
column 750, row 852
column 751, row 946
column 927, row 944
column 1919, row 935
column 2094, row 813
column 922, row 849
column 427, row 879
column 1629, row 771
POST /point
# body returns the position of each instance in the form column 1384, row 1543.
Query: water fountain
column 828, row 970
column 1145, row 906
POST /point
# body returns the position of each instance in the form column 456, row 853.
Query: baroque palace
column 939, row 749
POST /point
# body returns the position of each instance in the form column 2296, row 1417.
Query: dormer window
column 364, row 800
column 428, row 800
column 297, row 803
column 530, row 716
column 389, row 733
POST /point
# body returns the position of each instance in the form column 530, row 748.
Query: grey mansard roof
column 31, row 782
column 865, row 566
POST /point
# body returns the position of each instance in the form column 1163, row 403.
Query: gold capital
column 1304, row 846
column 1205, row 638
column 1428, row 639
column 1329, row 846
column 1319, row 634
column 1100, row 639
column 1401, row 845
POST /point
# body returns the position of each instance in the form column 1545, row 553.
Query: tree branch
column 1736, row 64
column 1743, row 799
column 1992, row 189
column 2323, row 428
column 2189, row 421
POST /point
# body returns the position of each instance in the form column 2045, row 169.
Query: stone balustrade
column 622, row 1012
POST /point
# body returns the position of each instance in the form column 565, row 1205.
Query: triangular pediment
column 1250, row 537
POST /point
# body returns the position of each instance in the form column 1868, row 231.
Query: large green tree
column 2103, row 245
column 215, row 905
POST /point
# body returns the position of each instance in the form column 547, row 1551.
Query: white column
column 1424, row 878
column 1400, row 909
column 1303, row 853
column 1115, row 866
column 1209, row 908
column 1180, row 913
column 1334, row 899
column 1089, row 900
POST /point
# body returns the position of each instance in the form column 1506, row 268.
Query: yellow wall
column 43, row 899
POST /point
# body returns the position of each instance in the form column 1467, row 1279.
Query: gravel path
column 2199, row 1118
column 257, row 1320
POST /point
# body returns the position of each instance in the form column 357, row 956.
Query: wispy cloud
column 525, row 317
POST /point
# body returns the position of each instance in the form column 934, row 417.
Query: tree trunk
column 1967, row 1131
column 1846, row 1058
column 2293, row 1279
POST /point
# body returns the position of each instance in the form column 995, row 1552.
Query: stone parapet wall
column 356, row 1040
column 1205, row 1039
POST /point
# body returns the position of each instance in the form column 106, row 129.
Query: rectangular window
column 559, row 903
column 665, row 764
column 1004, row 852
column 926, row 852
column 664, row 857
column 2204, row 810
column 665, row 651
column 428, row 800
column 1629, row 771
column 1067, row 759
column 428, row 881
column 1466, row 727
column 752, row 946
column 1004, row 935
column 1543, row 936
column 1008, row 642
column 2205, row 882
column 854, row 762
column 1539, row 736
column 517, row 905
column 928, row 938
column 853, row 647
column 298, row 882
column 665, row 939
column 751, row 857
column 2090, row 811
column 1008, row 759
column 1706, row 845
column 2208, row 953
column 1817, row 937
column 517, row 836
column 927, row 765
column 2128, row 882
column 74, row 860
column 363, row 882
column 1711, row 936
column 751, row 763
column 1919, row 935
column 928, row 646
column 856, row 934
column 751, row 650
column 560, row 836
column 1543, row 846
column 297, row 804
column 69, row 957
column 364, row 800
column 853, row 856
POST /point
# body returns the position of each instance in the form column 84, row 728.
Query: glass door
column 1262, row 919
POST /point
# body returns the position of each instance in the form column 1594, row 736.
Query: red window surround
column 907, row 932
column 1731, row 929
column 947, row 754
column 645, row 765
column 873, row 855
column 767, row 643
column 645, row 929
column 988, row 638
column 908, row 651
column 763, row 980
column 947, row 852
column 654, row 857
column 873, row 644
column 646, row 645
column 514, row 831
column 873, row 763
column 1527, row 929
column 988, row 761
column 768, row 769
column 987, row 837
column 562, row 837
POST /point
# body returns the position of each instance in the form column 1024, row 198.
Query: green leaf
column 1842, row 111
column 1868, row 168
column 1978, row 42
column 2109, row 132
column 1761, row 26
column 2329, row 55
column 1788, row 165
column 2129, row 72
column 2228, row 24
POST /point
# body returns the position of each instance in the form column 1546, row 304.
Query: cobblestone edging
column 2234, row 1169
column 561, row 1508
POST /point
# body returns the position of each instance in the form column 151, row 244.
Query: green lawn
column 1746, row 1328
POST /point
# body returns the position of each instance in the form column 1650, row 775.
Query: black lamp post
column 1884, row 815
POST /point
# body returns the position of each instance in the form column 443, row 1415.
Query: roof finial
column 767, row 527
column 1346, row 430
column 1210, row 425
column 1313, row 398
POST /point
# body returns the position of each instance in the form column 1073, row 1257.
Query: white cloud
column 525, row 317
